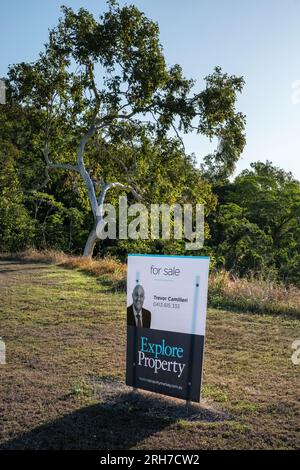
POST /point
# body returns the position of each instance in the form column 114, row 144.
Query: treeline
column 100, row 114
column 256, row 226
column 252, row 222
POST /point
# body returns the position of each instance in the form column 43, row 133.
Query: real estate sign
column 166, row 315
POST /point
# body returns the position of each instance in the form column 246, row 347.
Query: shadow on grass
column 118, row 423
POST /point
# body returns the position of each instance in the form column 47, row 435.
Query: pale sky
column 259, row 39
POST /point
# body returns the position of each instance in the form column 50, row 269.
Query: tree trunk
column 90, row 243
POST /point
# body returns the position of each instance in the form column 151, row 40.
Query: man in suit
column 136, row 314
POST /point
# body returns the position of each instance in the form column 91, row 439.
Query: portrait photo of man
column 136, row 314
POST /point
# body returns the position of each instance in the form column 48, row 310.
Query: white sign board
column 166, row 316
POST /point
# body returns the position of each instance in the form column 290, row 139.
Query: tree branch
column 116, row 184
column 127, row 187
column 50, row 164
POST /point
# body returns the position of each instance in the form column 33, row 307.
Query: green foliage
column 256, row 227
column 16, row 227
column 220, row 119
column 109, row 75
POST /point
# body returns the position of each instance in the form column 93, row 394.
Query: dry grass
column 225, row 291
column 257, row 295
column 63, row 384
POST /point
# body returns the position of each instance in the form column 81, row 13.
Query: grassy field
column 63, row 384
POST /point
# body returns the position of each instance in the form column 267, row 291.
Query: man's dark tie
column 139, row 323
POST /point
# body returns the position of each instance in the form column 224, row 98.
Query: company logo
column 295, row 358
column 157, row 356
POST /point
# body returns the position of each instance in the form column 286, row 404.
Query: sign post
column 166, row 316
